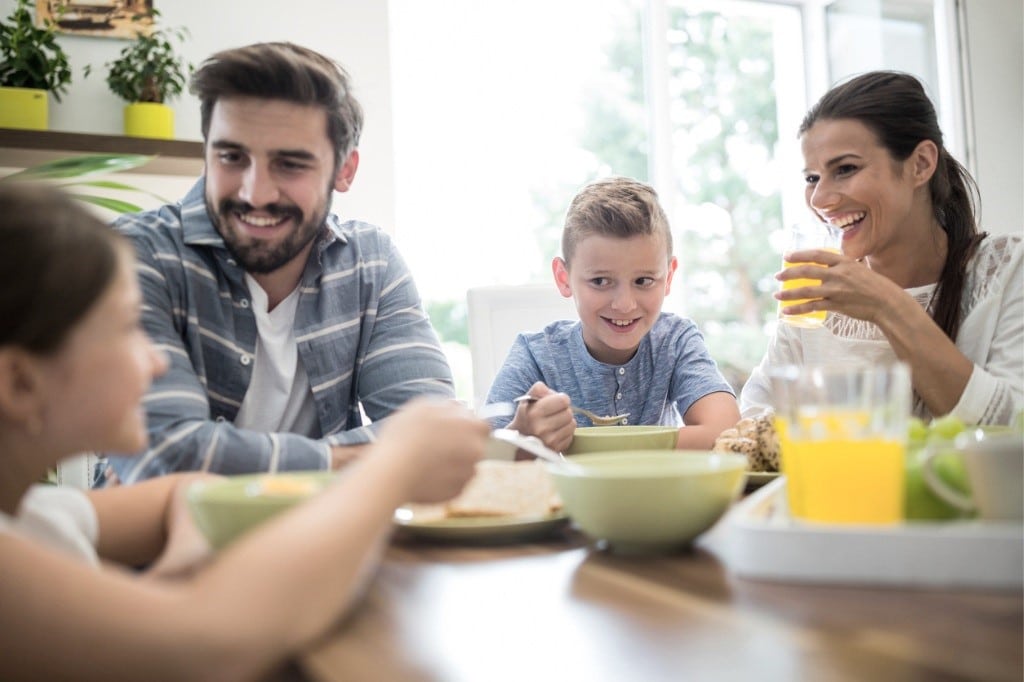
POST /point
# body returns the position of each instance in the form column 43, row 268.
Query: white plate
column 480, row 528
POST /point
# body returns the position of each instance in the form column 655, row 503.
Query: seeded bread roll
column 755, row 438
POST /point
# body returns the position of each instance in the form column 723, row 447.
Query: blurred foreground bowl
column 643, row 501
column 225, row 508
column 620, row 438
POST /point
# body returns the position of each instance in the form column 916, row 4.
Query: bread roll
column 754, row 437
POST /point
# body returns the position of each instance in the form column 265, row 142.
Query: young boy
column 624, row 354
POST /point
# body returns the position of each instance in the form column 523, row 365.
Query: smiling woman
column 916, row 280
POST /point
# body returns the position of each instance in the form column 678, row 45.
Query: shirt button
column 618, row 396
column 244, row 302
column 245, row 360
column 622, row 370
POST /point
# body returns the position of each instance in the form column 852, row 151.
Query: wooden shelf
column 23, row 148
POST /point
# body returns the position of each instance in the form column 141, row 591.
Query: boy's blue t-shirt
column 670, row 371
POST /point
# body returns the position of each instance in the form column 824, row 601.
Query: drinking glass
column 843, row 432
column 801, row 238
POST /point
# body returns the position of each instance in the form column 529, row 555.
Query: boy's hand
column 548, row 418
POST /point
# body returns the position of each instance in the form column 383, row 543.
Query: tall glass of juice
column 843, row 437
column 802, row 238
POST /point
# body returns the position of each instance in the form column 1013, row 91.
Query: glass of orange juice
column 802, row 238
column 842, row 432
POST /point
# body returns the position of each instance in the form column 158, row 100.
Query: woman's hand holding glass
column 804, row 239
column 844, row 286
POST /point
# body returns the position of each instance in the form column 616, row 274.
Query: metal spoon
column 595, row 419
column 535, row 446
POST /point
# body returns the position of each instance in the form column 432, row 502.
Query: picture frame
column 102, row 18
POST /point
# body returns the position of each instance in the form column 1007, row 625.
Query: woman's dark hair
column 896, row 109
column 56, row 260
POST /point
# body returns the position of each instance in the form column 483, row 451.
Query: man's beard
column 258, row 256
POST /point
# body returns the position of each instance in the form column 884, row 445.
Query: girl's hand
column 186, row 549
column 435, row 445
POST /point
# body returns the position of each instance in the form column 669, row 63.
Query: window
column 503, row 110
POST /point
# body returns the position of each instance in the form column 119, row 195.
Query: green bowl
column 225, row 508
column 648, row 501
column 618, row 438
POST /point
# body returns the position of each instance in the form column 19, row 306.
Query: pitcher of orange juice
column 842, row 432
column 802, row 238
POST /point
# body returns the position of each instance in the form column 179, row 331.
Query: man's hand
column 343, row 455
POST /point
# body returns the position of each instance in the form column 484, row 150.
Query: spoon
column 595, row 419
column 535, row 446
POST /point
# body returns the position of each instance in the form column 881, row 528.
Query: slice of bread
column 502, row 488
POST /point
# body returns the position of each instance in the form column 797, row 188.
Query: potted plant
column 89, row 170
column 32, row 62
column 147, row 74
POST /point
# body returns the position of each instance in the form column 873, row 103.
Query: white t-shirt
column 279, row 397
column 59, row 517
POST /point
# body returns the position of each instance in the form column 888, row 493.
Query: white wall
column 995, row 42
column 353, row 32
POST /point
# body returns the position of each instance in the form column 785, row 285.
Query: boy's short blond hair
column 614, row 207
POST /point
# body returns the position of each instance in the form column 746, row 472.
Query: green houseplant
column 146, row 74
column 87, row 171
column 32, row 62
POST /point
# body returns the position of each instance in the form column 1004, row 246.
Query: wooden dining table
column 562, row 608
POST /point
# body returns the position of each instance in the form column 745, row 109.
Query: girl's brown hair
column 57, row 259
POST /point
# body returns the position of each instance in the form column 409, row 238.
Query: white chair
column 497, row 314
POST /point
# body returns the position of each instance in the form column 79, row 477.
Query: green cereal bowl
column 226, row 508
column 648, row 501
column 618, row 438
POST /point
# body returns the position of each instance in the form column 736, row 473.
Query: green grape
column 917, row 430
column 947, row 427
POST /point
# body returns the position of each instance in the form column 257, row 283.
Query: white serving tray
column 758, row 539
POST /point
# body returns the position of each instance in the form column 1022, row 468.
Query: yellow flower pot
column 149, row 119
column 24, row 108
